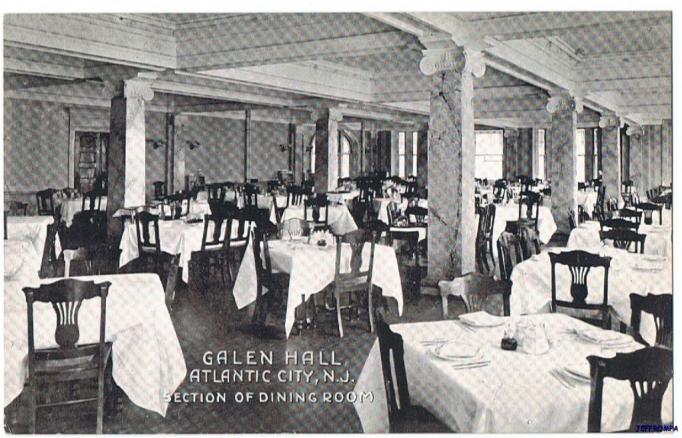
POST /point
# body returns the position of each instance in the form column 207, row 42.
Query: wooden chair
column 623, row 238
column 402, row 416
column 661, row 308
column 149, row 248
column 319, row 212
column 484, row 238
column 626, row 192
column 509, row 253
column 648, row 370
column 420, row 215
column 215, row 242
column 356, row 281
column 295, row 195
column 45, row 202
column 571, row 219
column 500, row 190
column 532, row 202
column 279, row 209
column 216, row 192
column 159, row 189
column 629, row 214
column 92, row 201
column 619, row 223
column 579, row 263
column 250, row 195
column 69, row 361
column 17, row 208
column 48, row 264
column 410, row 237
column 88, row 227
column 648, row 209
column 95, row 259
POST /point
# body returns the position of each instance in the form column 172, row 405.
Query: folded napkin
column 604, row 337
column 481, row 319
column 457, row 350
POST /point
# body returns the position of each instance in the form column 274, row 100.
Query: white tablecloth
column 510, row 212
column 340, row 220
column 177, row 237
column 587, row 199
column 532, row 290
column 22, row 262
column 311, row 269
column 69, row 208
column 342, row 197
column 514, row 394
column 381, row 207
column 33, row 228
column 658, row 238
column 148, row 360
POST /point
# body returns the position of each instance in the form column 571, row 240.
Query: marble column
column 408, row 153
column 451, row 156
column 667, row 151
column 422, row 158
column 562, row 167
column 126, row 162
column 610, row 155
column 326, row 149
column 636, row 165
column 510, row 153
column 654, row 133
column 589, row 154
column 178, row 148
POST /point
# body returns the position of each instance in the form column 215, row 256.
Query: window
column 415, row 137
column 489, row 146
column 401, row 154
column 344, row 156
column 542, row 162
column 580, row 162
column 595, row 157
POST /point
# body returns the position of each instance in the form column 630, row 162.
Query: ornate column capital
column 608, row 121
column 139, row 89
column 634, row 131
column 562, row 101
column 459, row 59
column 512, row 133
column 333, row 114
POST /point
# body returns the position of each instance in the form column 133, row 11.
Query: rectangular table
column 311, row 269
column 340, row 220
column 147, row 358
column 515, row 393
column 510, row 212
column 69, row 208
column 177, row 238
column 531, row 283
column 33, row 228
column 659, row 240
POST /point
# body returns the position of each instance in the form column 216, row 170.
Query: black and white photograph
column 347, row 221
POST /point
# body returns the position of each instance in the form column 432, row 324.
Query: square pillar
column 451, row 156
column 610, row 156
column 408, row 154
column 667, row 152
column 326, row 150
column 589, row 154
column 510, row 153
column 422, row 157
column 126, row 163
column 562, row 167
column 636, row 165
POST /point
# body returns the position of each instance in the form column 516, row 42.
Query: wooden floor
column 212, row 322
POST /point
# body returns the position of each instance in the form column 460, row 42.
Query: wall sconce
column 193, row 144
column 155, row 142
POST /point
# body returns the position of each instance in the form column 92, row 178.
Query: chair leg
column 444, row 302
column 338, row 313
column 100, row 403
column 32, row 409
column 370, row 310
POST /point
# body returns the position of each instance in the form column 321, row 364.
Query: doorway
column 91, row 159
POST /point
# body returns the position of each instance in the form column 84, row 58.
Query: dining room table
column 659, row 239
column 510, row 212
column 311, row 268
column 148, row 363
column 71, row 206
column 628, row 273
column 339, row 217
column 34, row 229
column 22, row 262
column 179, row 237
column 482, row 388
column 587, row 199
column 342, row 196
